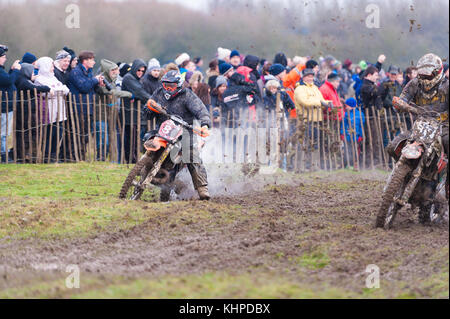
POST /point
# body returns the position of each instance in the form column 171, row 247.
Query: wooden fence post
column 74, row 134
column 138, row 136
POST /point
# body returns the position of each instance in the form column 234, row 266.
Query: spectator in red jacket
column 329, row 92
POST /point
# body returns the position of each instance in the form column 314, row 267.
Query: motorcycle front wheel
column 131, row 188
column 393, row 190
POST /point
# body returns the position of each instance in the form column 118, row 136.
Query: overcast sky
column 200, row 5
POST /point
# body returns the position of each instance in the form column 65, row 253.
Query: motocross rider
column 177, row 100
column 430, row 90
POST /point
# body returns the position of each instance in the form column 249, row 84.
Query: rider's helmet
column 430, row 71
column 172, row 83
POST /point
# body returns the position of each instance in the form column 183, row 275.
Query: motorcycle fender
column 155, row 144
column 412, row 151
column 399, row 147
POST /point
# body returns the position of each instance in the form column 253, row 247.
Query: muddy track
column 272, row 229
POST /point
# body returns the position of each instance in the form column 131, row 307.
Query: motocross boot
column 203, row 193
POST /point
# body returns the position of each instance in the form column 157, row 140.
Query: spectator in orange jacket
column 290, row 81
column 329, row 93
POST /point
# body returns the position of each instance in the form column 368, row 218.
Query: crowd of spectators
column 237, row 88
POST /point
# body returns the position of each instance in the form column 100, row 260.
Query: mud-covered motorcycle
column 162, row 159
column 421, row 160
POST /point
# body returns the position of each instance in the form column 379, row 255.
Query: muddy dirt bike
column 156, row 166
column 422, row 160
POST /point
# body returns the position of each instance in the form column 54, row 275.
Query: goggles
column 171, row 87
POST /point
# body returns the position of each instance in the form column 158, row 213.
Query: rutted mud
column 266, row 230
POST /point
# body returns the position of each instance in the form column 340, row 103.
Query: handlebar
column 424, row 110
column 411, row 107
column 158, row 108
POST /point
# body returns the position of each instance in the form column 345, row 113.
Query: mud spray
column 239, row 160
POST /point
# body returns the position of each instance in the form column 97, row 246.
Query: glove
column 203, row 131
column 154, row 106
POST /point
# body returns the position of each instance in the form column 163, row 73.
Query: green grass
column 207, row 285
column 313, row 260
column 76, row 200
column 66, row 200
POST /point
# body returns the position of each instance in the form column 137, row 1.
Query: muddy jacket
column 437, row 99
column 132, row 84
column 186, row 105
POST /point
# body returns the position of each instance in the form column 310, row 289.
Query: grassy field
column 240, row 246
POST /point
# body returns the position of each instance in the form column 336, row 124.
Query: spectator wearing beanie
column 348, row 65
column 313, row 65
column 278, row 71
column 235, row 59
column 280, row 58
column 73, row 60
column 151, row 80
column 29, row 58
column 223, row 55
column 110, row 72
column 357, row 120
column 62, row 63
column 217, row 103
column 329, row 93
column 181, row 58
column 270, row 97
column 226, row 70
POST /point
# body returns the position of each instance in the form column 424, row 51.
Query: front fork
column 411, row 186
column 157, row 166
